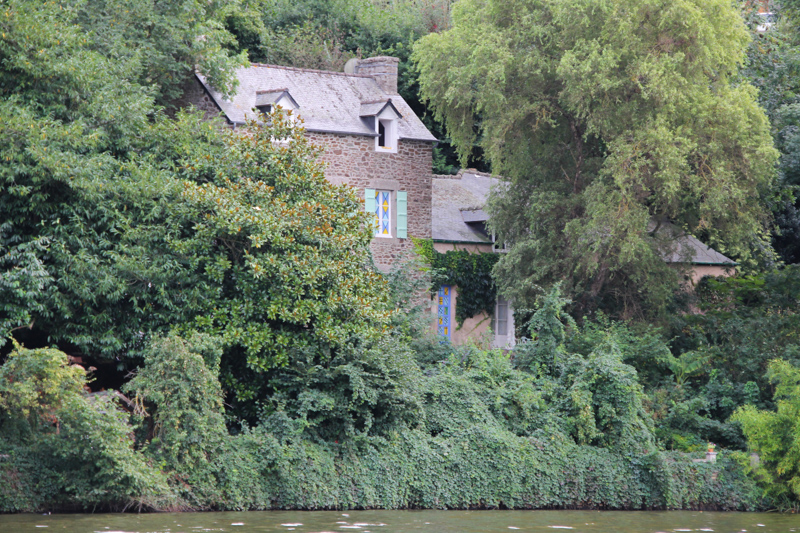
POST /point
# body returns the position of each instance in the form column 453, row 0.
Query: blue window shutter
column 402, row 214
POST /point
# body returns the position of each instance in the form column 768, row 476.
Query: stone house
column 372, row 140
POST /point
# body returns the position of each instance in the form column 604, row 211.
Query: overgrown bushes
column 490, row 436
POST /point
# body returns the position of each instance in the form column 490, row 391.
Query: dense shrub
column 64, row 445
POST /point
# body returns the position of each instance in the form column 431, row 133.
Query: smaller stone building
column 697, row 259
column 459, row 223
column 372, row 140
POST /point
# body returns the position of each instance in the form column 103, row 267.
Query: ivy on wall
column 470, row 272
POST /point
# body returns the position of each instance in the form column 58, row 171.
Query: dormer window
column 387, row 134
column 268, row 101
column 384, row 117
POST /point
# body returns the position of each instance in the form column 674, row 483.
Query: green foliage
column 605, row 116
column 548, row 333
column 470, row 272
column 603, row 401
column 87, row 155
column 775, row 435
column 746, row 322
column 77, row 447
column 163, row 42
column 132, row 223
column 642, row 345
column 773, row 67
column 187, row 428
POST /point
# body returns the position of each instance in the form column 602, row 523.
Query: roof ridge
column 311, row 70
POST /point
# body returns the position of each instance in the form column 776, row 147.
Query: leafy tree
column 608, row 118
column 120, row 223
column 775, row 436
column 163, row 42
column 85, row 151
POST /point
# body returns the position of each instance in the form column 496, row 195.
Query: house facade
column 371, row 139
column 374, row 142
column 459, row 223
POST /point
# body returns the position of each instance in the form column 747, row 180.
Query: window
column 386, row 128
column 444, row 311
column 268, row 102
column 390, row 209
column 387, row 135
column 501, row 317
column 383, row 213
column 382, row 117
column 503, row 324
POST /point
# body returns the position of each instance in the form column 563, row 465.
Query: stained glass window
column 383, row 213
column 444, row 311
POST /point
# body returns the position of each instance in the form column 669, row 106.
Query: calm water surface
column 407, row 522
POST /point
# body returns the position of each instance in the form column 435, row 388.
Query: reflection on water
column 407, row 522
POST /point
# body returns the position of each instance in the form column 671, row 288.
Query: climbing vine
column 470, row 272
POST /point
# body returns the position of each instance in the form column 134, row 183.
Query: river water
column 406, row 522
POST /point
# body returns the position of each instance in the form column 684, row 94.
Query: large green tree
column 119, row 223
column 608, row 118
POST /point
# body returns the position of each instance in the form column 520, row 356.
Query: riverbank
column 475, row 469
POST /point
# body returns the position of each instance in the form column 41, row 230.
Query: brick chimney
column 383, row 69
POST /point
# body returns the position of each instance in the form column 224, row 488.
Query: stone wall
column 353, row 160
column 195, row 94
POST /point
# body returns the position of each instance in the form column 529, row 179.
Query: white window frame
column 506, row 340
column 388, row 119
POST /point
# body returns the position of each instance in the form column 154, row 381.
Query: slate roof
column 689, row 249
column 329, row 101
column 458, row 217
column 457, row 208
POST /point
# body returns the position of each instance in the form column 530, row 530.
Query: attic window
column 387, row 135
column 268, row 101
column 381, row 134
column 384, row 117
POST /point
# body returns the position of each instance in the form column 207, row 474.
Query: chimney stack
column 383, row 70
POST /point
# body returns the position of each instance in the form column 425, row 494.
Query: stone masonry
column 352, row 160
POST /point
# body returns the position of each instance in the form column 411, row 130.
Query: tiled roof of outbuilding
column 689, row 249
column 457, row 214
column 329, row 101
column 456, row 202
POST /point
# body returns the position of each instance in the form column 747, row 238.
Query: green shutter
column 402, row 214
column 369, row 200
